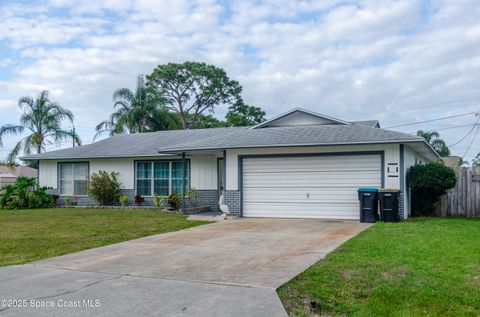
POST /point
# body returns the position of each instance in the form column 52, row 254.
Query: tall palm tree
column 133, row 109
column 42, row 118
column 433, row 138
column 163, row 119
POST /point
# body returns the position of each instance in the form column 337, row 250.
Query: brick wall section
column 232, row 200
column 205, row 198
column 400, row 206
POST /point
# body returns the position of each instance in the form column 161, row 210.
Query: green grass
column 29, row 235
column 420, row 267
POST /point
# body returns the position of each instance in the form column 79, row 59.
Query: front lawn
column 29, row 235
column 420, row 267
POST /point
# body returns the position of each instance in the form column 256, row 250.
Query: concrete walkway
column 229, row 268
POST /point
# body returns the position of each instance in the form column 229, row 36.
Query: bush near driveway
column 428, row 182
column 29, row 235
column 419, row 267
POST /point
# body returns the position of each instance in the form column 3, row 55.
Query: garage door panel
column 313, row 175
column 308, row 184
column 301, row 194
column 326, row 160
column 325, row 207
column 278, row 187
column 338, row 212
column 312, row 167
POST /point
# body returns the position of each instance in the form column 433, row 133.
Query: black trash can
column 368, row 204
column 389, row 205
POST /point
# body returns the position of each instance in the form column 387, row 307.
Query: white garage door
column 307, row 187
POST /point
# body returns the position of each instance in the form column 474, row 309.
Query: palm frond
column 124, row 94
column 26, row 101
column 10, row 129
column 11, row 157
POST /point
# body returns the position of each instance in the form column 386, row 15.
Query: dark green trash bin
column 389, row 205
column 368, row 204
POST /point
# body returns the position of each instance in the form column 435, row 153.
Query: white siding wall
column 203, row 171
column 409, row 160
column 299, row 118
column 124, row 167
column 47, row 173
column 392, row 155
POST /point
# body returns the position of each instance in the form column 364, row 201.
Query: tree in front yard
column 428, row 182
column 42, row 118
column 105, row 187
column 193, row 88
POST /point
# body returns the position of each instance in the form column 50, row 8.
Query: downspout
column 183, row 182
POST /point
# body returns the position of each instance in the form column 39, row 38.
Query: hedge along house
column 298, row 165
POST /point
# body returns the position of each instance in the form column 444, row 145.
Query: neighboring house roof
column 368, row 123
column 7, row 176
column 299, row 116
column 14, row 171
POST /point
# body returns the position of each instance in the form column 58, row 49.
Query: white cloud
column 350, row 59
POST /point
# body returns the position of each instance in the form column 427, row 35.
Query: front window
column 160, row 177
column 73, row 179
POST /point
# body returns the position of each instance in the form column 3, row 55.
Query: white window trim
column 59, row 179
column 152, row 176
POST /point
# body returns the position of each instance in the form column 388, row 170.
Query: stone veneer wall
column 401, row 206
column 205, row 198
column 232, row 200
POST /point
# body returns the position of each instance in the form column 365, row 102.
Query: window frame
column 58, row 178
column 170, row 161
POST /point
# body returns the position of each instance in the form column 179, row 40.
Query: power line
column 466, row 135
column 470, row 145
column 455, row 127
column 442, row 104
column 432, row 120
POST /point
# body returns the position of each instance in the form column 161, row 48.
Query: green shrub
column 192, row 196
column 156, row 200
column 428, row 182
column 67, row 202
column 23, row 194
column 105, row 187
column 139, row 200
column 123, row 200
column 164, row 202
column 175, row 201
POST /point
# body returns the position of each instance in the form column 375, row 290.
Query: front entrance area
column 309, row 186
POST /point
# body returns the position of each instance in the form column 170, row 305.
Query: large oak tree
column 193, row 88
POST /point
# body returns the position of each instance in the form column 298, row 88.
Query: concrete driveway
column 226, row 268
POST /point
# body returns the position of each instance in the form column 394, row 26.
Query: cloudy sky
column 395, row 61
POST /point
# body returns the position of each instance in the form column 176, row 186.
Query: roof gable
column 299, row 117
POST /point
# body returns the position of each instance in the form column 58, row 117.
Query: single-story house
column 300, row 164
column 9, row 174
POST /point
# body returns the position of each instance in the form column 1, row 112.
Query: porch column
column 183, row 182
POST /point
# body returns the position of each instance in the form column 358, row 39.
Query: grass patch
column 29, row 235
column 419, row 267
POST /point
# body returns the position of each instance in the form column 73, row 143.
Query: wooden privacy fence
column 464, row 198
